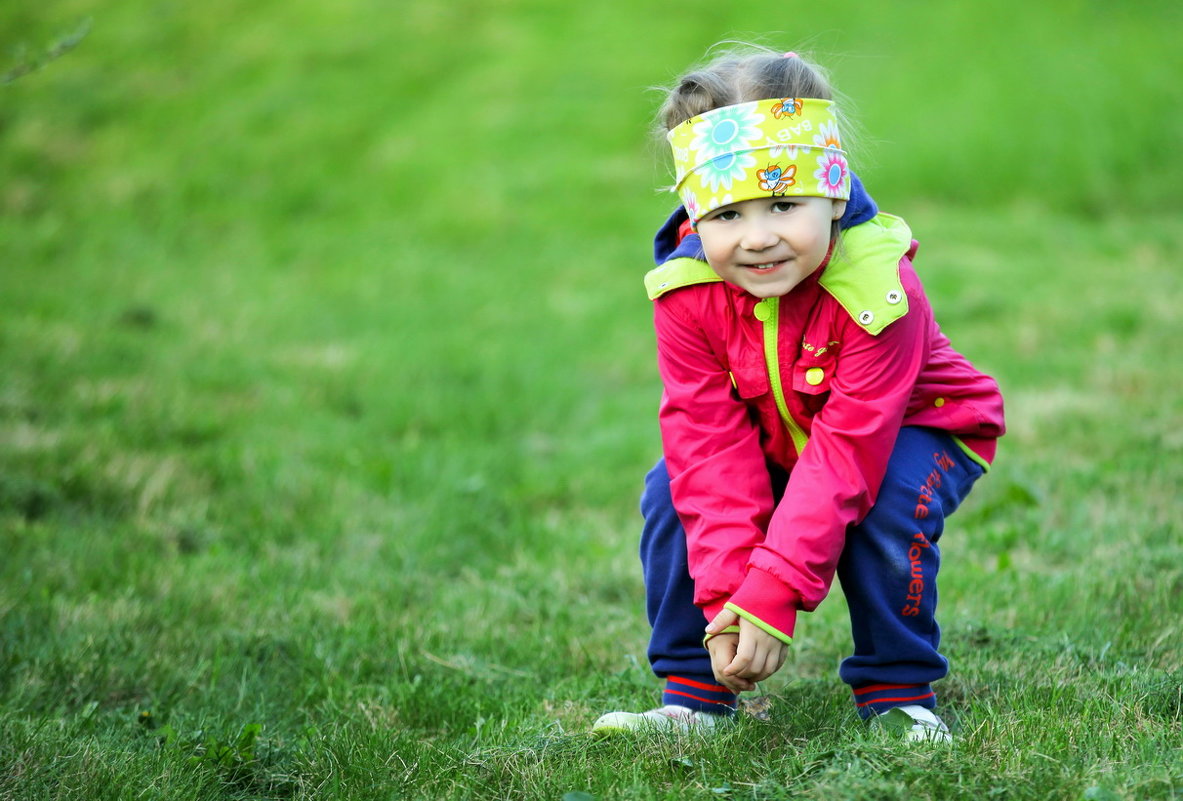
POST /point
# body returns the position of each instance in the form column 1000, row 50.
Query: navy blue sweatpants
column 888, row 573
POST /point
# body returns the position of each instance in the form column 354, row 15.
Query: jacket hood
column 670, row 243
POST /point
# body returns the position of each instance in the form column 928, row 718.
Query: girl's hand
column 739, row 661
column 723, row 648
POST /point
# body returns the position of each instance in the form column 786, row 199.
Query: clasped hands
column 740, row 660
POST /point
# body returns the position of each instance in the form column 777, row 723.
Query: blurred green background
column 327, row 385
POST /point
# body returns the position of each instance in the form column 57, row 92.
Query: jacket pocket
column 811, row 378
column 812, row 375
column 750, row 381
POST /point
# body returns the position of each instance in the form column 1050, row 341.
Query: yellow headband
column 766, row 148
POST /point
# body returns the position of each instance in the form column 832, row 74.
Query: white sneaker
column 668, row 718
column 914, row 723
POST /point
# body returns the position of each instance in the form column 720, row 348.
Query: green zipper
column 768, row 312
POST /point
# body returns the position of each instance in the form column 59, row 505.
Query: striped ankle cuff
column 700, row 693
column 875, row 699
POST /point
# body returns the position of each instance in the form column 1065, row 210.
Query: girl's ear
column 839, row 209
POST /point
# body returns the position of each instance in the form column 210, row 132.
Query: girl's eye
column 726, row 214
column 783, row 205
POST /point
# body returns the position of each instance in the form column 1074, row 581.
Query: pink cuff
column 712, row 610
column 767, row 600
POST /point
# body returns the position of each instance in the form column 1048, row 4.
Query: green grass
column 327, row 386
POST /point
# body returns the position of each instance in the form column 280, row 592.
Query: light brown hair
column 740, row 75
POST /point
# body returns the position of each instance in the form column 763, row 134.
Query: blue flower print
column 726, row 130
column 723, row 171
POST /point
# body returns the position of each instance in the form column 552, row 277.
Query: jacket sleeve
column 837, row 476
column 718, row 478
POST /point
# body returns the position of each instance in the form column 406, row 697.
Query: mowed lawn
column 327, row 387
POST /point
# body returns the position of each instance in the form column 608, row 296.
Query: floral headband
column 765, row 148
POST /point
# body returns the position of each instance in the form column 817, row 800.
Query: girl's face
column 767, row 246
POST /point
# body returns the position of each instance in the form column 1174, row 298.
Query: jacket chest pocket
column 750, row 380
column 812, row 376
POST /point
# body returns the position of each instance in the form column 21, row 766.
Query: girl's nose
column 757, row 237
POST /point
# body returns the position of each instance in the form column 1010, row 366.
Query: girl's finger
column 722, row 620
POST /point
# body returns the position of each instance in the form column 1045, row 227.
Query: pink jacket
column 857, row 355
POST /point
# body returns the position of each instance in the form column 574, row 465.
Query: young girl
column 815, row 420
